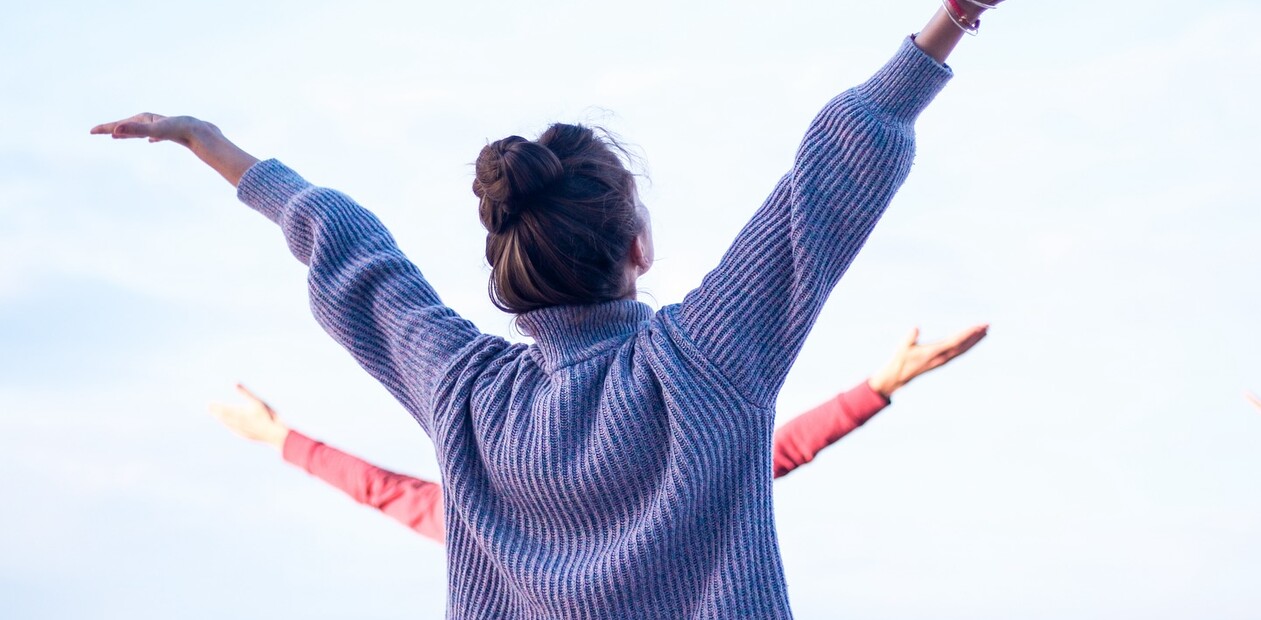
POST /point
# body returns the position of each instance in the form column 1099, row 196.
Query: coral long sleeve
column 803, row 437
column 417, row 503
column 411, row 501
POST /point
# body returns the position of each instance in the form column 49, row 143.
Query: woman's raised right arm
column 364, row 291
column 750, row 315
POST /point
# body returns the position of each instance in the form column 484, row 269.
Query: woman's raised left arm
column 364, row 291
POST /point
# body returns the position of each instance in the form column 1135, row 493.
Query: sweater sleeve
column 364, row 291
column 750, row 315
column 801, row 439
column 411, row 501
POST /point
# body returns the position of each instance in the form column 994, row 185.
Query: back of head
column 560, row 217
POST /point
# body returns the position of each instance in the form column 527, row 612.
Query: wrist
column 884, row 386
column 973, row 10
column 277, row 438
column 968, row 10
column 203, row 137
column 212, row 147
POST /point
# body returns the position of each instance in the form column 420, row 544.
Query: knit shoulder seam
column 693, row 353
column 481, row 345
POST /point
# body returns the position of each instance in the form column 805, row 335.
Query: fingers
column 259, row 404
column 138, row 126
column 918, row 359
column 221, row 411
column 969, row 334
column 134, row 130
column 967, row 339
column 962, row 340
column 911, row 338
column 934, row 355
column 1256, row 402
column 244, row 391
column 108, row 128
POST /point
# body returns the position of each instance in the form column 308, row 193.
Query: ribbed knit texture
column 619, row 467
column 417, row 503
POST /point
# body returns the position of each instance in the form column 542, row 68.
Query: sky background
column 1088, row 184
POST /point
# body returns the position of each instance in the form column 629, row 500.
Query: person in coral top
column 417, row 503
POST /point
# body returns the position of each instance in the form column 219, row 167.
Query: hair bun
column 510, row 173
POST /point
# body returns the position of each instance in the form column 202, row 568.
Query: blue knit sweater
column 620, row 466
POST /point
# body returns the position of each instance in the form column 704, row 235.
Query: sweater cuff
column 298, row 449
column 907, row 83
column 268, row 186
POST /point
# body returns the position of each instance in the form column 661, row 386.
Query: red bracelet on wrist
column 960, row 18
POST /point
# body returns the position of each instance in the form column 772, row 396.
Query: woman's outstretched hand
column 254, row 420
column 202, row 138
column 1252, row 398
column 182, row 130
column 914, row 359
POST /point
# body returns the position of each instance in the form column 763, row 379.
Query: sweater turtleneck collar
column 569, row 334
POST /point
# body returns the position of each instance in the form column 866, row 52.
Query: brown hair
column 560, row 217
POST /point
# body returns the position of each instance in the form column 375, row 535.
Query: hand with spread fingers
column 255, row 420
column 914, row 359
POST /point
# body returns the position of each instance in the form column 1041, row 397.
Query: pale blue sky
column 1087, row 184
